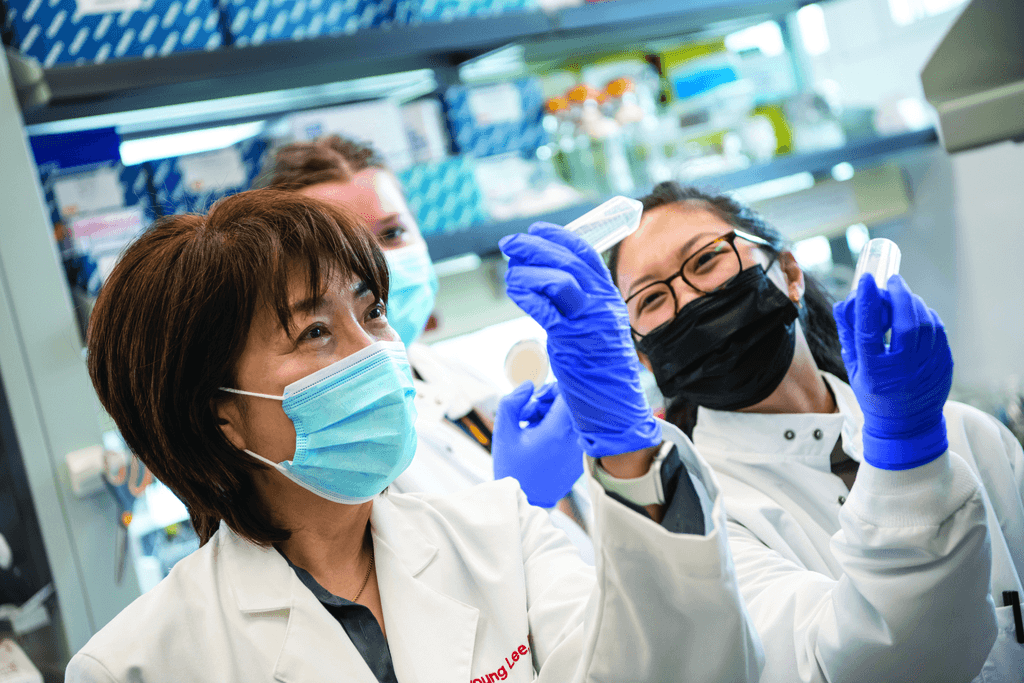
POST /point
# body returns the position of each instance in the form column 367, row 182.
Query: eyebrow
column 685, row 249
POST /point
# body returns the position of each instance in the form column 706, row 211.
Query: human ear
column 229, row 420
column 795, row 284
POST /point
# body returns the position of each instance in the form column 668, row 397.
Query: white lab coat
column 832, row 577
column 465, row 582
column 450, row 461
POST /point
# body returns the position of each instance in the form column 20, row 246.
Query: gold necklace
column 366, row 579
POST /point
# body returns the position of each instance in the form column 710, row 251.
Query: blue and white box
column 97, row 211
column 427, row 11
column 251, row 22
column 191, row 184
column 496, row 119
column 87, row 31
column 444, row 196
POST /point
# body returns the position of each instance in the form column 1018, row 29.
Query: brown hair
column 816, row 319
column 172, row 320
column 330, row 158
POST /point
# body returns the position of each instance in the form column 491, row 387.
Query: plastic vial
column 610, row 223
column 880, row 258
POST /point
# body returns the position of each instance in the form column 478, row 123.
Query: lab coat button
column 789, row 435
column 842, row 499
column 818, row 434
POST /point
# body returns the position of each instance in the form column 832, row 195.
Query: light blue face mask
column 354, row 424
column 413, row 288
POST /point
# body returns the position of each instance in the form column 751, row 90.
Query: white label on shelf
column 496, row 104
column 222, row 169
column 377, row 123
column 89, row 192
column 107, row 6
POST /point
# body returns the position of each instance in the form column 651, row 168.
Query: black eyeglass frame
column 730, row 238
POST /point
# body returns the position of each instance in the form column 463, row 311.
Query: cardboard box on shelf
column 496, row 119
column 191, row 184
column 444, row 196
column 87, row 31
column 428, row 11
column 251, row 22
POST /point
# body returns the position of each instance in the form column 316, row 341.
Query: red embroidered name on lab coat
column 505, row 669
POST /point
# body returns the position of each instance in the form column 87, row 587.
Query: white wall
column 871, row 58
column 989, row 205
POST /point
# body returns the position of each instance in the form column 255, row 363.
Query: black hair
column 816, row 319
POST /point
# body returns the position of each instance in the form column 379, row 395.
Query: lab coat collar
column 264, row 584
column 266, row 587
column 762, row 437
column 259, row 577
column 431, row 635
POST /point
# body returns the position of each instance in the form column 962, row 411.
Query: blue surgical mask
column 413, row 287
column 353, row 419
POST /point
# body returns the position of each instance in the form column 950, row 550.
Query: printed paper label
column 223, row 169
column 85, row 193
column 107, row 231
column 107, row 6
column 496, row 104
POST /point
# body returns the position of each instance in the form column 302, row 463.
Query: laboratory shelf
column 483, row 240
column 298, row 74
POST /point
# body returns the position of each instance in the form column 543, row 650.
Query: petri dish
column 527, row 360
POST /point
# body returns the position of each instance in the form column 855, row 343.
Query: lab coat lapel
column 315, row 646
column 431, row 635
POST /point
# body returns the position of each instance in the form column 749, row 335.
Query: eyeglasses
column 705, row 270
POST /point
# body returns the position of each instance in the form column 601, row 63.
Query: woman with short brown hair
column 247, row 359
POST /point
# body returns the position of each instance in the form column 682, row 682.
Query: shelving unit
column 483, row 240
column 298, row 75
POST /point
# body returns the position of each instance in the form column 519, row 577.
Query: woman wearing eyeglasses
column 866, row 548
column 856, row 524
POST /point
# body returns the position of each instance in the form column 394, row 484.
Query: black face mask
column 728, row 349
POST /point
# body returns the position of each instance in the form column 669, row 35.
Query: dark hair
column 326, row 159
column 172, row 320
column 816, row 319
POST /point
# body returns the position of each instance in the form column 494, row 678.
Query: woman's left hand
column 544, row 456
column 562, row 283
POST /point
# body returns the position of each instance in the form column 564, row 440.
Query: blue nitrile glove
column 562, row 283
column 543, row 456
column 902, row 389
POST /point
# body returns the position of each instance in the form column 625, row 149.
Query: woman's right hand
column 561, row 282
column 901, row 389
